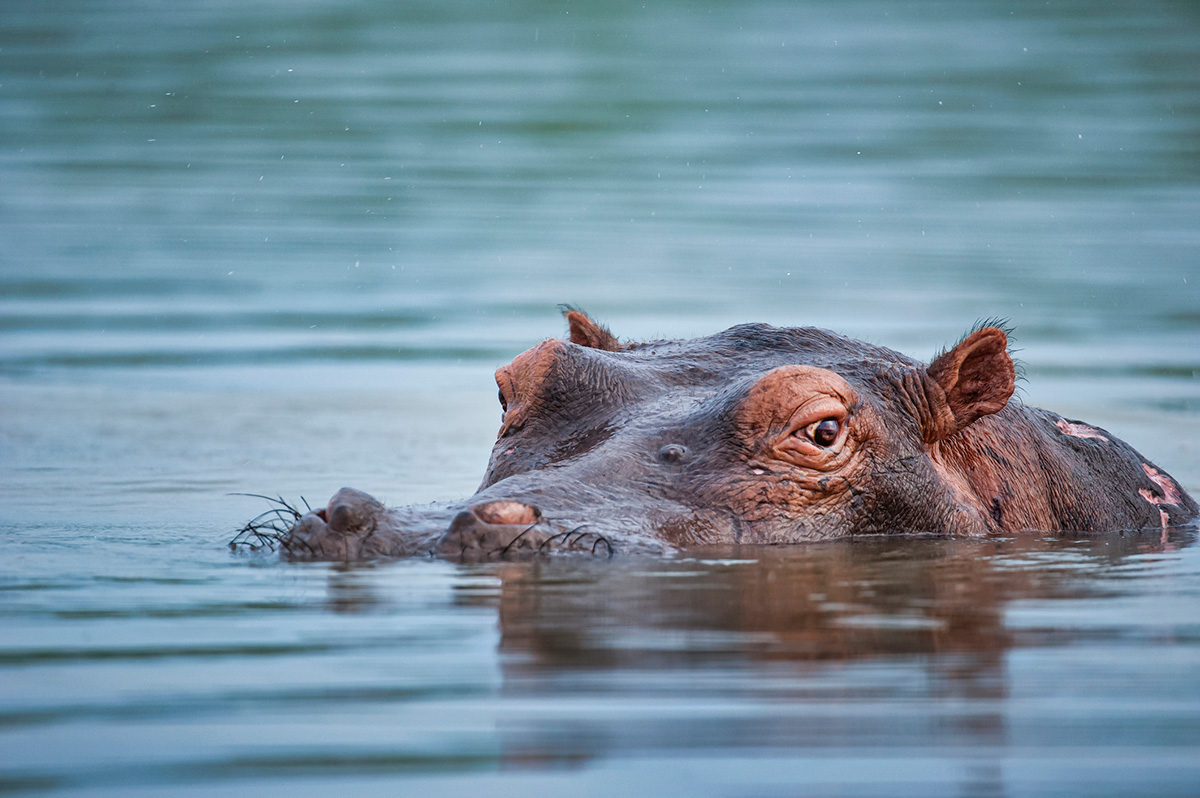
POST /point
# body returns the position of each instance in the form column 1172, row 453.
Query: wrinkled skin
column 759, row 435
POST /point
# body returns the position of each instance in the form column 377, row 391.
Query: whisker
column 549, row 541
column 565, row 536
column 269, row 529
column 525, row 531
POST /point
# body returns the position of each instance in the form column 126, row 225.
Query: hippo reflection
column 757, row 435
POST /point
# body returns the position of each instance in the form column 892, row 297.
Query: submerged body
column 755, row 435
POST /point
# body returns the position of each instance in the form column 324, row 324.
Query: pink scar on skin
column 1170, row 493
column 1078, row 430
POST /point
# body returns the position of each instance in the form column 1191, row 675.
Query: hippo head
column 756, row 434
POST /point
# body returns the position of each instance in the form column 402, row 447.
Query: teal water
column 281, row 247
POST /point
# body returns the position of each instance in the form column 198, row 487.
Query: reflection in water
column 863, row 646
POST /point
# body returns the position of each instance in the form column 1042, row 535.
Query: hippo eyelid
column 819, row 432
column 798, row 443
column 815, row 411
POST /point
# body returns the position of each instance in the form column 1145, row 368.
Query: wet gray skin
column 758, row 435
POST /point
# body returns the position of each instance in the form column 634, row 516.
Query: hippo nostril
column 506, row 511
column 341, row 518
column 673, row 453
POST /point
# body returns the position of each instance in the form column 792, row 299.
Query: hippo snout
column 351, row 511
column 356, row 526
column 499, row 529
column 505, row 512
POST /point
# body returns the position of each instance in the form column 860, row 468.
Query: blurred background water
column 280, row 247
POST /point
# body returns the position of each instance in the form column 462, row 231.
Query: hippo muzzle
column 355, row 527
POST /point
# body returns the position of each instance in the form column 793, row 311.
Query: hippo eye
column 824, row 432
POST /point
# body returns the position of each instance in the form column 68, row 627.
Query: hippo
column 757, row 435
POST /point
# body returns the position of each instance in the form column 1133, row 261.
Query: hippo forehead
column 561, row 384
column 741, row 353
column 751, row 347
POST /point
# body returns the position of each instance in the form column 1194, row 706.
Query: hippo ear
column 586, row 332
column 976, row 379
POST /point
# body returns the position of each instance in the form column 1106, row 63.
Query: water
column 280, row 247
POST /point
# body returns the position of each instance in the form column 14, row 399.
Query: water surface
column 280, row 247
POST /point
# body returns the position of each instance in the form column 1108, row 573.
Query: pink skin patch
column 1170, row 493
column 1079, row 430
